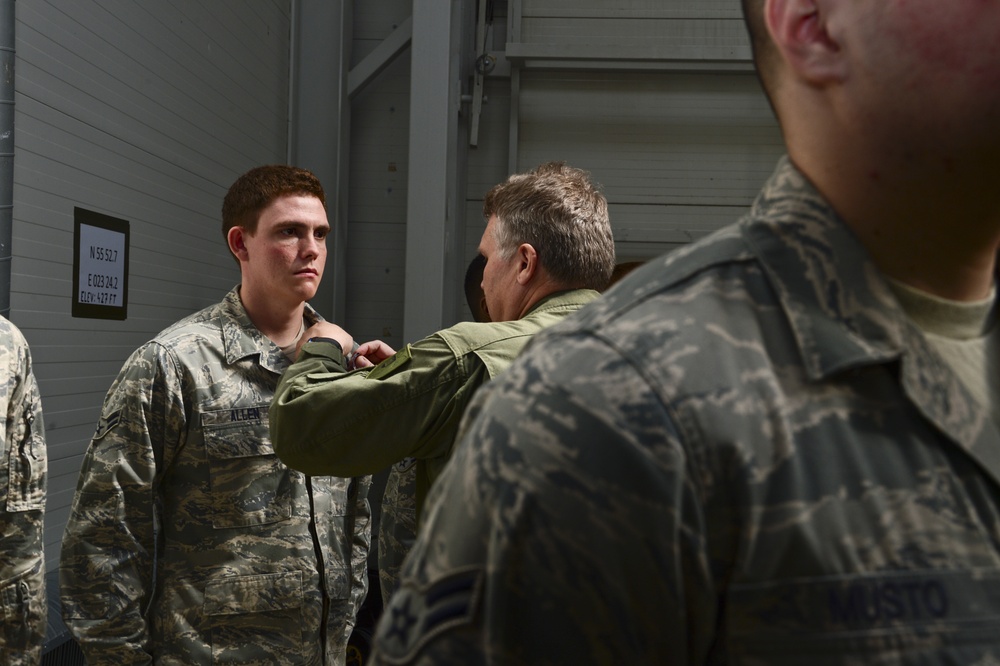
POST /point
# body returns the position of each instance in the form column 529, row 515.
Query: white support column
column 514, row 124
column 432, row 233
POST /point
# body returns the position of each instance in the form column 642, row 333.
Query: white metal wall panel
column 373, row 22
column 657, row 99
column 376, row 259
column 630, row 8
column 678, row 154
column 641, row 31
column 145, row 111
column 679, row 36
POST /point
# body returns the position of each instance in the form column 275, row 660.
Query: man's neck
column 539, row 291
column 280, row 324
column 928, row 228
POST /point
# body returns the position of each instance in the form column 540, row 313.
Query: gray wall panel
column 374, row 21
column 715, row 35
column 620, row 9
column 487, row 166
column 380, row 130
column 375, row 276
column 678, row 154
column 146, row 112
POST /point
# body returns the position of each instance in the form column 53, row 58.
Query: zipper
column 25, row 450
column 321, row 565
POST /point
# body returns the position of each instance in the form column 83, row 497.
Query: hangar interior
column 407, row 110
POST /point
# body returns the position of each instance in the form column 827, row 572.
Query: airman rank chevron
column 415, row 616
column 107, row 423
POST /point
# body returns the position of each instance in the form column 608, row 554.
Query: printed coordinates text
column 103, row 254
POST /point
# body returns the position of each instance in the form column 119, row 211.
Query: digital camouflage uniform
column 744, row 454
column 189, row 542
column 397, row 524
column 326, row 420
column 22, row 505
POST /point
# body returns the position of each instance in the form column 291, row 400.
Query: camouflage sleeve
column 360, row 545
column 325, row 421
column 397, row 525
column 108, row 551
column 553, row 522
column 22, row 492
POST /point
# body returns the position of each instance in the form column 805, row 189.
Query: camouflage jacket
column 22, row 504
column 744, row 454
column 189, row 542
column 397, row 524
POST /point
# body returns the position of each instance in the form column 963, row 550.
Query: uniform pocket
column 249, row 484
column 24, row 611
column 256, row 619
column 26, row 465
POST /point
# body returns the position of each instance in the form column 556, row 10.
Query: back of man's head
column 259, row 187
column 764, row 53
column 474, row 295
column 562, row 214
column 623, row 269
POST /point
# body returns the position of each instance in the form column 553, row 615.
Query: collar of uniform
column 838, row 305
column 574, row 298
column 242, row 339
column 843, row 312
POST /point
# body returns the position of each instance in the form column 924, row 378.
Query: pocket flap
column 235, row 595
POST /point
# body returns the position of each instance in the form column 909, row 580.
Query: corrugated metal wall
column 679, row 154
column 380, row 131
column 657, row 99
column 144, row 111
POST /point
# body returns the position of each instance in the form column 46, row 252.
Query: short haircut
column 259, row 187
column 764, row 52
column 474, row 287
column 557, row 210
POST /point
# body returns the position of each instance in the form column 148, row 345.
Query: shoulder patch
column 107, row 423
column 416, row 615
column 391, row 364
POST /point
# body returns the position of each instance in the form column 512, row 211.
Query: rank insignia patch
column 107, row 423
column 415, row 616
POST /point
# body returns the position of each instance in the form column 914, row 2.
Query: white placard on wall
column 100, row 265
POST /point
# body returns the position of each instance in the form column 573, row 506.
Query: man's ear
column 528, row 265
column 801, row 32
column 237, row 246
